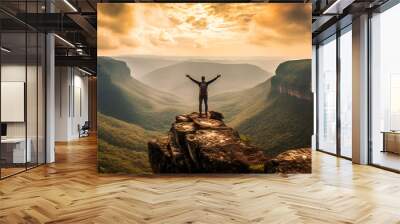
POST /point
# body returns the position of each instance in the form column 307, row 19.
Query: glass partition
column 14, row 145
column 22, row 77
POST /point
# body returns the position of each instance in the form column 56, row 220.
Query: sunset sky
column 205, row 30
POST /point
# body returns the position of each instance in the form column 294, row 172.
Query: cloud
column 204, row 28
column 107, row 40
column 190, row 19
column 129, row 41
column 161, row 39
column 286, row 25
column 115, row 22
column 238, row 16
column 119, row 18
column 197, row 23
column 267, row 23
column 200, row 24
column 103, row 34
column 175, row 21
column 165, row 37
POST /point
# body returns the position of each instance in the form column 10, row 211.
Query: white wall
column 71, row 94
column 80, row 110
column 62, row 81
column 16, row 73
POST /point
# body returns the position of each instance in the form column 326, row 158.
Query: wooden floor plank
column 71, row 191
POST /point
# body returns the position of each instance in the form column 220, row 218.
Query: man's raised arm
column 194, row 80
column 212, row 80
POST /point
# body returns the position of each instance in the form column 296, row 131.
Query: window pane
column 385, row 92
column 346, row 94
column 327, row 96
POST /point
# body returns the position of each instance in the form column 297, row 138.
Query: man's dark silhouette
column 203, row 94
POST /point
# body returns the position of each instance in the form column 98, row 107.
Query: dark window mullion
column 26, row 87
column 369, row 90
column 0, row 95
column 317, row 96
column 338, row 81
column 37, row 90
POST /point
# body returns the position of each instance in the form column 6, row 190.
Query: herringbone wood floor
column 71, row 191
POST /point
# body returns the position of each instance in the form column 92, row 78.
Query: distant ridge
column 234, row 77
column 127, row 99
column 143, row 64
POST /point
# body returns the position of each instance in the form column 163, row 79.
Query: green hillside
column 122, row 146
column 274, row 121
column 287, row 123
column 125, row 98
column 242, row 105
column 295, row 75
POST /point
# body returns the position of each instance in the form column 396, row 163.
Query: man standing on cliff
column 203, row 94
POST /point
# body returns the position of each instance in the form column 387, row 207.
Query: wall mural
column 204, row 88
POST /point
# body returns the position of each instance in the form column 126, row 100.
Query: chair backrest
column 86, row 125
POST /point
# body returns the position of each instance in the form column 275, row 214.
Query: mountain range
column 235, row 77
column 140, row 65
column 125, row 98
column 275, row 113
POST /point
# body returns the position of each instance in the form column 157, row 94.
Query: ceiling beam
column 49, row 22
column 77, row 61
column 84, row 24
column 337, row 7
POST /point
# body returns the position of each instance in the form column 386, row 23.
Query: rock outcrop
column 197, row 144
column 291, row 161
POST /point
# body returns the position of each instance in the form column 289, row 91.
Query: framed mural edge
column 204, row 88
